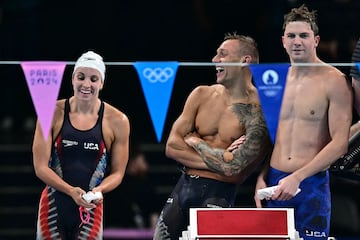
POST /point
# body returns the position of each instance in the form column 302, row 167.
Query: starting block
column 241, row 223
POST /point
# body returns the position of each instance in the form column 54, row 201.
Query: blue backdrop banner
column 270, row 81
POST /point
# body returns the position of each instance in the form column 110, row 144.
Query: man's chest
column 308, row 102
column 223, row 122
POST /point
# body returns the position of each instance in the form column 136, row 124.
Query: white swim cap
column 91, row 60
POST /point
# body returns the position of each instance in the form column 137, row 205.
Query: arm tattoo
column 253, row 149
column 213, row 157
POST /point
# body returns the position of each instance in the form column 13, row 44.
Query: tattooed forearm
column 214, row 158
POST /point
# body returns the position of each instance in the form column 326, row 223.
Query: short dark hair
column 302, row 14
column 248, row 45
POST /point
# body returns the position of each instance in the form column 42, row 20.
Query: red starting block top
column 242, row 223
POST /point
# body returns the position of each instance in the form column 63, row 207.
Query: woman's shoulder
column 59, row 107
column 60, row 103
column 111, row 112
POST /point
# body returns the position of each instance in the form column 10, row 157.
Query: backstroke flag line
column 270, row 81
column 43, row 79
column 157, row 81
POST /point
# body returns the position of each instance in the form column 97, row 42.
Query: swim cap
column 91, row 60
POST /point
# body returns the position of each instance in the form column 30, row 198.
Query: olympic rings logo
column 158, row 74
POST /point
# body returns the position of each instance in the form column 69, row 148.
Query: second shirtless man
column 208, row 138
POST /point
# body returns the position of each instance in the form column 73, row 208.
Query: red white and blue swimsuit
column 80, row 158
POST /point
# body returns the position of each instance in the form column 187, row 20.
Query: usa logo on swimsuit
column 91, row 146
column 311, row 233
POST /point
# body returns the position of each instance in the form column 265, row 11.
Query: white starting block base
column 241, row 223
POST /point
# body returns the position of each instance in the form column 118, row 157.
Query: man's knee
column 171, row 222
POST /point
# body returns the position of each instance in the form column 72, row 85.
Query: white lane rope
column 191, row 64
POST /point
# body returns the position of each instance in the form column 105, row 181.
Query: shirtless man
column 313, row 129
column 355, row 74
column 87, row 150
column 207, row 138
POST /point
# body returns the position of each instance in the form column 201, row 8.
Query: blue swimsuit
column 312, row 206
